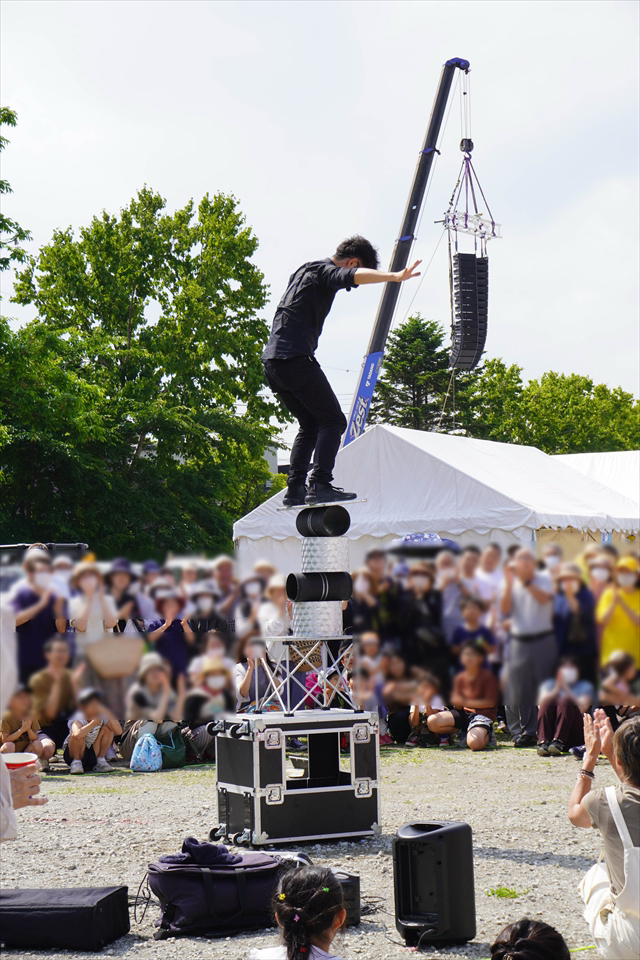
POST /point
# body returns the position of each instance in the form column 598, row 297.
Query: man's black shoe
column 556, row 748
column 295, row 495
column 526, row 740
column 325, row 493
column 543, row 748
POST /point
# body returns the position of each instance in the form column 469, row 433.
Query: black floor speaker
column 433, row 882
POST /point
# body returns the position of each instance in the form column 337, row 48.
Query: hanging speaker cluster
column 470, row 284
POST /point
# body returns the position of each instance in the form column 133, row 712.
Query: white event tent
column 619, row 470
column 465, row 489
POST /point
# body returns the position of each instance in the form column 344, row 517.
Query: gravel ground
column 104, row 829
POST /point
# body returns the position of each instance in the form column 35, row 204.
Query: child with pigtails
column 309, row 909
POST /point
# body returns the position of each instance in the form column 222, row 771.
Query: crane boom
column 400, row 257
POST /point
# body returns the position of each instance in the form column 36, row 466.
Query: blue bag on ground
column 208, row 891
column 147, row 755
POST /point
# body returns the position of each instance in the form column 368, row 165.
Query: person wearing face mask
column 250, row 600
column 249, row 673
column 40, row 614
column 61, row 573
column 552, row 558
column 448, row 583
column 152, row 705
column 204, row 616
column 574, row 621
column 618, row 612
column 600, row 568
column 209, row 698
column 422, row 638
column 562, row 702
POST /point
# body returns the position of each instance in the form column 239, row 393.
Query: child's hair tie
column 281, row 896
column 303, row 949
column 325, row 889
column 296, row 918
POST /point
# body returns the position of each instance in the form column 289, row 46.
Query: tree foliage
column 11, row 233
column 560, row 413
column 137, row 420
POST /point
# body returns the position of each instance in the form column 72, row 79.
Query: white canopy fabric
column 415, row 481
column 619, row 470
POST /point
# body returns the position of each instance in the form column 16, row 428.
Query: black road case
column 265, row 797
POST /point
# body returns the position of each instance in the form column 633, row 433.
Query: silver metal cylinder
column 322, row 618
column 325, row 554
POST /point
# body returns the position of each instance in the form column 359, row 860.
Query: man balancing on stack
column 294, row 374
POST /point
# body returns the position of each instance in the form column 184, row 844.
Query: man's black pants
column 307, row 394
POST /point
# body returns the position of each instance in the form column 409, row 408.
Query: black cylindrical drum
column 323, row 522
column 433, row 882
column 304, row 587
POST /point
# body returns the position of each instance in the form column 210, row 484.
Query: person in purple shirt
column 172, row 637
column 39, row 613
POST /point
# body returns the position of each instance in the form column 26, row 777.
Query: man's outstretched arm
column 364, row 275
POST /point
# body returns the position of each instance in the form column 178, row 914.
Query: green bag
column 174, row 751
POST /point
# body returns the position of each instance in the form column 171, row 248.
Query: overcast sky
column 312, row 114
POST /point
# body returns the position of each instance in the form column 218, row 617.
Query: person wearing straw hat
column 574, row 622
column 92, row 612
column 618, row 612
column 152, row 705
column 210, row 697
column 120, row 578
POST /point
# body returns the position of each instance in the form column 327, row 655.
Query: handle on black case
column 241, row 886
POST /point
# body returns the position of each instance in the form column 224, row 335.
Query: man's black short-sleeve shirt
column 301, row 313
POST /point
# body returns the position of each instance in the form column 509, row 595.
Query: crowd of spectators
column 450, row 650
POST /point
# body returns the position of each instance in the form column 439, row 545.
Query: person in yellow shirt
column 618, row 612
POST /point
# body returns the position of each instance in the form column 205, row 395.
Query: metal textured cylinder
column 325, row 554
column 319, row 586
column 320, row 619
column 331, row 521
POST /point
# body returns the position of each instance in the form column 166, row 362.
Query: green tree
column 568, row 413
column 155, row 316
column 415, row 379
column 494, row 404
column 11, row 233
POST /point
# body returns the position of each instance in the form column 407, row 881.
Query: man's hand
column 408, row 272
column 25, row 785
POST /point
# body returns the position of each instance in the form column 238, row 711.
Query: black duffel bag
column 73, row 918
column 216, row 900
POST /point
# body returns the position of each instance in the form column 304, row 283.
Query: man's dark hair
column 358, row 247
column 530, row 940
column 626, row 746
column 495, row 546
column 476, row 645
column 472, row 549
column 51, row 642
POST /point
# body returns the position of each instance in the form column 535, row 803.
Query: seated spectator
column 370, row 652
column 361, row 687
column 574, row 622
column 61, row 573
column 210, row 697
column 618, row 612
column 529, row 940
column 399, row 693
column 428, row 703
column 264, row 570
column 54, row 690
column 204, row 618
column 475, row 700
column 171, row 636
column 472, row 629
column 560, row 708
column 92, row 729
column 309, row 910
column 188, row 579
column 274, row 613
column 152, row 705
column 251, row 678
column 20, row 731
column 39, row 613
column 119, row 581
column 611, row 890
column 216, row 645
column 387, row 592
column 619, row 677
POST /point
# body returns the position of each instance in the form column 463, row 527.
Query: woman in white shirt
column 309, row 909
column 92, row 613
